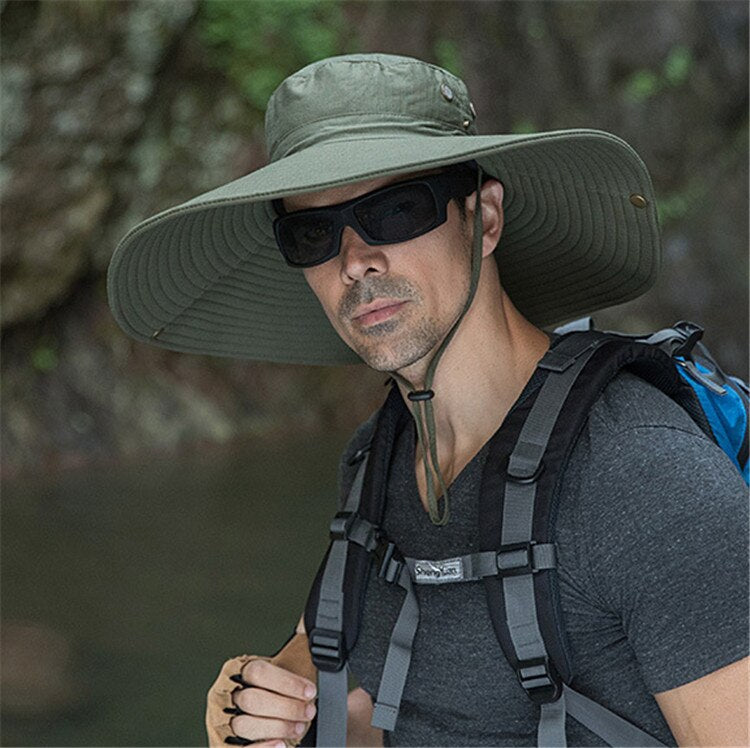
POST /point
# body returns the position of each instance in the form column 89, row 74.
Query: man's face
column 394, row 303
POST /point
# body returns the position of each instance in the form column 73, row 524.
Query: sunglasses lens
column 399, row 214
column 307, row 239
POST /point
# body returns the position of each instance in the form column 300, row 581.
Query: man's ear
column 492, row 214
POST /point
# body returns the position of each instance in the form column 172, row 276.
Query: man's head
column 393, row 303
column 580, row 230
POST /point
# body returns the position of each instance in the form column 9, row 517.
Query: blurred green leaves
column 44, row 358
column 679, row 204
column 523, row 127
column 678, row 66
column 257, row 44
column 448, row 55
column 644, row 84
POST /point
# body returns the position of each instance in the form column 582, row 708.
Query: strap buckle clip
column 516, row 559
column 390, row 561
column 691, row 334
column 340, row 525
column 327, row 649
column 540, row 679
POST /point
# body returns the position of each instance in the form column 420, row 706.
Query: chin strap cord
column 422, row 399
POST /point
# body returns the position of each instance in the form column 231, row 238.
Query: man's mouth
column 376, row 312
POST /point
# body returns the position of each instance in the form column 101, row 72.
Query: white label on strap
column 437, row 572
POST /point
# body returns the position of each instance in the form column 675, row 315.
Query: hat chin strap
column 421, row 400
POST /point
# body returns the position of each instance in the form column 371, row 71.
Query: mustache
column 365, row 292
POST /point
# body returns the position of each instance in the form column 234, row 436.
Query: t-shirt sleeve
column 668, row 551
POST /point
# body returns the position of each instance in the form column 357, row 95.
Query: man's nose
column 358, row 258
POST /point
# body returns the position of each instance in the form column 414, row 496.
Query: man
column 393, row 217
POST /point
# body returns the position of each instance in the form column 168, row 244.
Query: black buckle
column 390, row 561
column 692, row 334
column 540, row 679
column 523, row 479
column 527, row 567
column 327, row 649
column 340, row 525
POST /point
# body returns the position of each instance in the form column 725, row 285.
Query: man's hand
column 276, row 695
column 277, row 704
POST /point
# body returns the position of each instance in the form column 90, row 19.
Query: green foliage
column 44, row 358
column 677, row 205
column 523, row 126
column 644, row 84
column 257, row 43
column 678, row 66
column 448, row 56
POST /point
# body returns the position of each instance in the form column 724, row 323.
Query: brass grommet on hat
column 638, row 200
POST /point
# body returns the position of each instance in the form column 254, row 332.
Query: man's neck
column 481, row 374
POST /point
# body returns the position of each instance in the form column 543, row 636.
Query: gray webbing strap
column 518, row 507
column 398, row 658
column 524, row 466
column 332, row 708
column 550, row 732
column 610, row 727
column 333, row 686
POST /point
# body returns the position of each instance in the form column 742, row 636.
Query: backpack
column 517, row 563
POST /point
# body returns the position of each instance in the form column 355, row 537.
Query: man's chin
column 388, row 360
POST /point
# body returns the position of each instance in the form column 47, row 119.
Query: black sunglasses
column 389, row 215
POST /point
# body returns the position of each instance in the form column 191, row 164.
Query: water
column 158, row 572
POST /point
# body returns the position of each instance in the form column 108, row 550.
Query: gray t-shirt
column 652, row 541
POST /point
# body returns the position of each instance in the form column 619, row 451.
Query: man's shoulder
column 629, row 402
column 638, row 438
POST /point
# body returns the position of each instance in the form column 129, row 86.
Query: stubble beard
column 400, row 351
column 385, row 347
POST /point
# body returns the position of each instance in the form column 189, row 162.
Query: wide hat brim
column 206, row 277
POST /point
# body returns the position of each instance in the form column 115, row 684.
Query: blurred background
column 161, row 511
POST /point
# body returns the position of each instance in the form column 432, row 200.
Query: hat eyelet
column 638, row 200
column 447, row 92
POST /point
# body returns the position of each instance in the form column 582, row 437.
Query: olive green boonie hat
column 207, row 277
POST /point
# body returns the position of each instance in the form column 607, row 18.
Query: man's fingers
column 264, row 728
column 262, row 703
column 274, row 678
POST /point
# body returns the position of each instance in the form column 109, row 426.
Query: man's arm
column 712, row 710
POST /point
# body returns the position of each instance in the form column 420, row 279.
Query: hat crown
column 365, row 96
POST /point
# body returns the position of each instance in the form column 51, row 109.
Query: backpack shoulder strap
column 524, row 601
column 334, row 605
